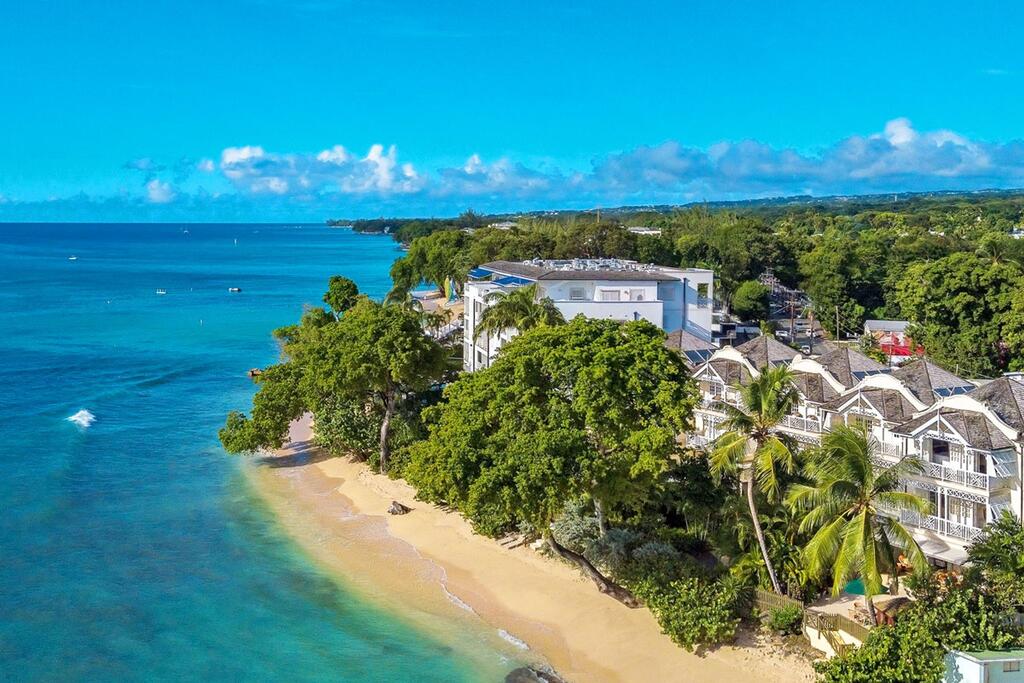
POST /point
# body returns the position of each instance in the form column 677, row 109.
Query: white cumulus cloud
column 159, row 192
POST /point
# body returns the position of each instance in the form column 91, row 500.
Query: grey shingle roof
column 732, row 372
column 975, row 428
column 813, row 387
column 929, row 382
column 849, row 366
column 1005, row 397
column 692, row 348
column 547, row 272
column 889, row 403
column 765, row 351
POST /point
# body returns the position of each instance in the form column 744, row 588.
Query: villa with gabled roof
column 968, row 439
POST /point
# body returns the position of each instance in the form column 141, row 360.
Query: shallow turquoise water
column 133, row 549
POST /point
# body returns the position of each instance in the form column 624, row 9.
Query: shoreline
column 431, row 569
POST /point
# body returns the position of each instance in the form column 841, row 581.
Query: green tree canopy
column 586, row 409
column 750, row 302
column 349, row 372
column 962, row 310
column 439, row 258
column 341, row 294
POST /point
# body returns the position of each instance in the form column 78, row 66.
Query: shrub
column 785, row 620
column 694, row 611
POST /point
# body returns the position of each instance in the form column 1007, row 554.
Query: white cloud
column 896, row 158
column 159, row 192
column 333, row 170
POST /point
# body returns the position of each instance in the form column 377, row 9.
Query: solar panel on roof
column 697, row 357
column 512, row 280
column 952, row 391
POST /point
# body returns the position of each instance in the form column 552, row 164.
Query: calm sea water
column 133, row 549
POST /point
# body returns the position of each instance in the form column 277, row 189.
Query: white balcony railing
column 938, row 525
column 954, row 475
column 801, row 423
column 889, row 449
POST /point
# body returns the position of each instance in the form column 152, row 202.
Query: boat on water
column 234, row 289
column 72, row 258
column 161, row 292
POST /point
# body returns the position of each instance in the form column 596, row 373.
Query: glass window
column 636, row 295
column 611, row 295
column 1011, row 666
column 577, row 294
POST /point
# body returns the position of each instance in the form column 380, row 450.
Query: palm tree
column 843, row 503
column 520, row 308
column 754, row 446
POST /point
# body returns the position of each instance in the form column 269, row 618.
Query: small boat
column 72, row 258
column 161, row 292
column 234, row 289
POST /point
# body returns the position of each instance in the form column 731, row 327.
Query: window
column 636, row 295
column 577, row 294
column 1011, row 666
column 478, row 308
column 702, row 295
column 611, row 295
column 940, row 451
column 480, row 357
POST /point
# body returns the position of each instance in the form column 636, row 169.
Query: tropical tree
column 521, row 309
column 754, row 447
column 440, row 258
column 999, row 557
column 341, row 295
column 349, row 372
column 844, row 504
column 589, row 409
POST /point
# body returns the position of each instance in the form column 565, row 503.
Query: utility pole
column 837, row 323
column 792, row 320
column 810, row 312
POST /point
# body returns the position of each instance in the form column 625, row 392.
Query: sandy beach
column 431, row 566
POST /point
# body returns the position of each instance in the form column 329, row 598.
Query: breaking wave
column 83, row 418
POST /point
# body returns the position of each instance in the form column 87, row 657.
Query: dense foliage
column 951, row 613
column 586, row 409
column 360, row 370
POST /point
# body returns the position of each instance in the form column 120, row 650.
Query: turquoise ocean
column 133, row 547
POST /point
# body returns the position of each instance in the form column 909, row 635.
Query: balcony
column 802, row 424
column 933, row 523
column 889, row 449
column 966, row 478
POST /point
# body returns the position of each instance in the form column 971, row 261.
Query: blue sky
column 303, row 110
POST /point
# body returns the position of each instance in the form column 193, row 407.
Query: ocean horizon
column 135, row 548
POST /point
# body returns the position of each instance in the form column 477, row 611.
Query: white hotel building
column 969, row 437
column 674, row 299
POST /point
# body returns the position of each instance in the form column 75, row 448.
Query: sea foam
column 83, row 418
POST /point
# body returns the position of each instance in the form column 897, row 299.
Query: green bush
column 694, row 611
column 785, row 620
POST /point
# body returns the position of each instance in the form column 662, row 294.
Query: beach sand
column 430, row 566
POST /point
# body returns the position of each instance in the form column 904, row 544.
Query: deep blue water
column 133, row 549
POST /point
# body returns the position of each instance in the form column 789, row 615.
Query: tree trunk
column 385, row 429
column 602, row 523
column 871, row 610
column 760, row 535
column 603, row 583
